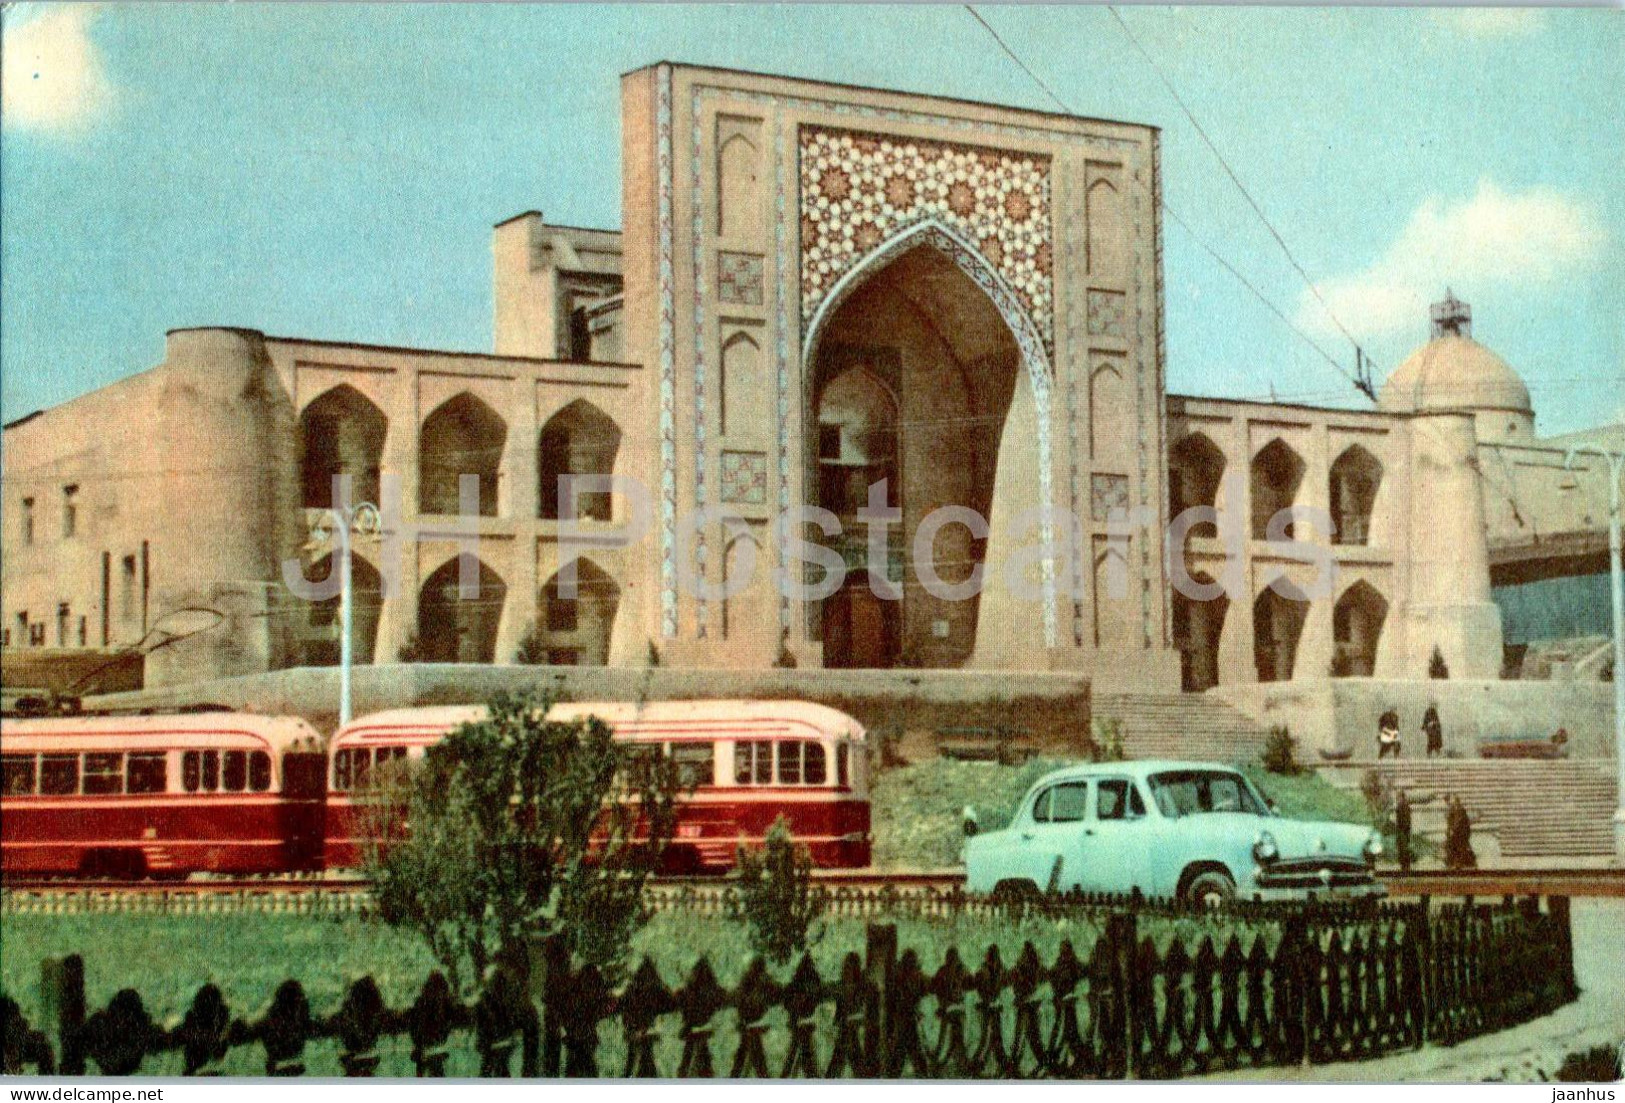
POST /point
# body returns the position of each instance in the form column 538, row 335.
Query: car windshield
column 1190, row 792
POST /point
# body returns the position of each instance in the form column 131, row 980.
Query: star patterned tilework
column 744, row 478
column 859, row 189
column 739, row 278
column 1109, row 493
column 1106, row 313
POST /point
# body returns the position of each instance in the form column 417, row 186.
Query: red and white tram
column 748, row 762
column 132, row 796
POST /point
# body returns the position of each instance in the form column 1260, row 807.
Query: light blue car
column 1193, row 830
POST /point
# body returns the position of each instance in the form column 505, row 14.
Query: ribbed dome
column 1452, row 372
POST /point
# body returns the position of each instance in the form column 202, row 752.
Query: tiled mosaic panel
column 1107, row 311
column 858, row 189
column 1108, row 494
column 744, row 478
column 739, row 278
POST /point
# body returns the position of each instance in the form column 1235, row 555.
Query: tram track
column 1577, row 881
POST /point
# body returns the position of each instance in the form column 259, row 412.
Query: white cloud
column 1494, row 240
column 1491, row 22
column 53, row 77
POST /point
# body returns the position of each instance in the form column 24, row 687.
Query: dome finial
column 1452, row 316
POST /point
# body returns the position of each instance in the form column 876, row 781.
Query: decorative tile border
column 702, row 458
column 781, row 300
column 666, row 286
column 972, row 129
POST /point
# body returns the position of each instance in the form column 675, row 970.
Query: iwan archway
column 923, row 372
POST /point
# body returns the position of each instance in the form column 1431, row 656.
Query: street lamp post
column 1615, row 461
column 346, row 522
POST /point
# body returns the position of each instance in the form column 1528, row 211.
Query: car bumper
column 1322, row 881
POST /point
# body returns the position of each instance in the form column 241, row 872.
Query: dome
column 1454, row 372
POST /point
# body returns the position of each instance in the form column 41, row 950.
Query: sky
column 334, row 171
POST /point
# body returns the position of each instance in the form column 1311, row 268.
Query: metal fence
column 1322, row 984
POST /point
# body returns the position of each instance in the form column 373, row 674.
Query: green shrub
column 520, row 826
column 777, row 900
column 1378, row 792
column 1280, row 755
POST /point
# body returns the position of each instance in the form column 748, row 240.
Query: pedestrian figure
column 1433, row 730
column 1458, row 836
column 1388, row 734
column 1402, row 830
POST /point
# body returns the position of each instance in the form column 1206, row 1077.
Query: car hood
column 1316, row 838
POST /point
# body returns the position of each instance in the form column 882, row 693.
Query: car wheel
column 1016, row 892
column 1211, row 888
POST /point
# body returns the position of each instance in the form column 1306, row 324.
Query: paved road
column 1526, row 1053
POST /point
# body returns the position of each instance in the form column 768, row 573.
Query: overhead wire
column 1185, row 225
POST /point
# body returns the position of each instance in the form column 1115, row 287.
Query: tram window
column 259, row 771
column 341, row 770
column 753, row 763
column 235, row 774
column 147, row 773
column 18, row 771
column 191, row 774
column 59, row 775
column 211, row 771
column 695, row 763
column 361, row 765
column 841, row 776
column 814, row 770
column 104, row 774
column 790, row 762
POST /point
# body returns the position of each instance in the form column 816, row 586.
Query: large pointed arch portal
column 925, row 320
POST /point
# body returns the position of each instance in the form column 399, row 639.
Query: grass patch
column 167, row 958
column 917, row 810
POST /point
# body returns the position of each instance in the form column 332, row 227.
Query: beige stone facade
column 817, row 288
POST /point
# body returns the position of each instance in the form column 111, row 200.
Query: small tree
column 1280, row 755
column 1378, row 792
column 777, row 900
column 516, row 826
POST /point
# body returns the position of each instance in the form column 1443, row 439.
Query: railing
column 1316, row 984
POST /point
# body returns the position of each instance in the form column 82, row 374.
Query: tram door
column 304, row 808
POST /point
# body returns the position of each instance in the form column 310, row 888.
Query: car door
column 1051, row 832
column 1118, row 851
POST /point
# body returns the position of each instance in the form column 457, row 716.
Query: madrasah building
column 817, row 287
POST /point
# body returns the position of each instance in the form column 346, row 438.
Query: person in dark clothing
column 1433, row 730
column 1388, row 734
column 1458, row 836
column 1402, row 830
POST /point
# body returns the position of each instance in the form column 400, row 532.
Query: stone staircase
column 1535, row 809
column 1182, row 725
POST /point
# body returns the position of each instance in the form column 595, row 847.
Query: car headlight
column 1373, row 847
column 1265, row 850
